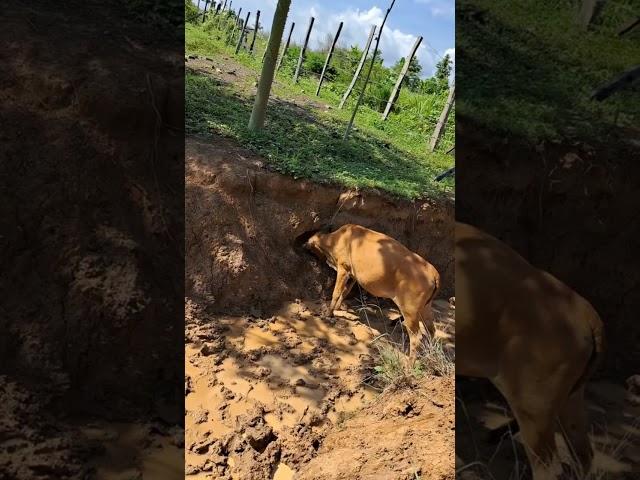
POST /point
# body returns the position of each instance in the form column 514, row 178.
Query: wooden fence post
column 225, row 5
column 218, row 9
column 264, row 54
column 329, row 55
column 237, row 24
column 589, row 9
column 255, row 31
column 403, row 73
column 437, row 133
column 366, row 79
column 286, row 46
column 629, row 26
column 204, row 14
column 303, row 51
column 243, row 27
column 359, row 69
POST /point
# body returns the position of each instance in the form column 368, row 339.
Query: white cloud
column 440, row 8
column 394, row 44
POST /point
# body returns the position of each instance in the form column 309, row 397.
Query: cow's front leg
column 339, row 289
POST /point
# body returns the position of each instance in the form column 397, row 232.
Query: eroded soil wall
column 242, row 222
column 569, row 209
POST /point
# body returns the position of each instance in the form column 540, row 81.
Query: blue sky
column 433, row 19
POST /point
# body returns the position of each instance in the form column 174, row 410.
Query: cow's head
column 311, row 241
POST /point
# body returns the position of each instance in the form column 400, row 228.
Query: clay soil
column 275, row 389
column 90, row 244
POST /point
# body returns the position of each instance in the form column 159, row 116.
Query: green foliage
column 443, row 70
column 166, row 16
column 528, row 69
column 191, row 13
column 307, row 142
column 313, row 62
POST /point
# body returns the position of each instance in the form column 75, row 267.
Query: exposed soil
column 90, row 235
column 273, row 388
column 242, row 222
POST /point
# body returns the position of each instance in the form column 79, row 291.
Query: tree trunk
column 258, row 114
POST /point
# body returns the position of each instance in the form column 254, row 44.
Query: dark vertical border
column 91, row 236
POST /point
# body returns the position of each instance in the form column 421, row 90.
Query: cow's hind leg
column 536, row 419
column 411, row 321
column 426, row 318
column 574, row 425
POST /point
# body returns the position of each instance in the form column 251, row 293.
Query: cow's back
column 375, row 258
column 504, row 302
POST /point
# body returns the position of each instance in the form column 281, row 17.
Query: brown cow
column 533, row 337
column 385, row 268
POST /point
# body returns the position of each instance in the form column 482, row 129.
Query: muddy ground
column 91, row 255
column 273, row 388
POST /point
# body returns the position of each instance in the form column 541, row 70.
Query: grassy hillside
column 303, row 135
column 527, row 68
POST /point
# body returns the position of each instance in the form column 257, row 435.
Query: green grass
column 432, row 359
column 526, row 68
column 304, row 139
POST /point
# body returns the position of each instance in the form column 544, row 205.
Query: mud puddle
column 262, row 393
column 135, row 451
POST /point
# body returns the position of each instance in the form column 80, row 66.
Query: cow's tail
column 599, row 348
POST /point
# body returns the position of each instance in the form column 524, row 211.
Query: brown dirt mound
column 404, row 435
column 242, row 223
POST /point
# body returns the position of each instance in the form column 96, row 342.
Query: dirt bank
column 90, row 239
column 242, row 222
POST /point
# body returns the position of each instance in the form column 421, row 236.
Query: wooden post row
column 368, row 76
column 303, row 51
column 329, row 55
column 204, row 14
column 359, row 68
column 403, row 73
